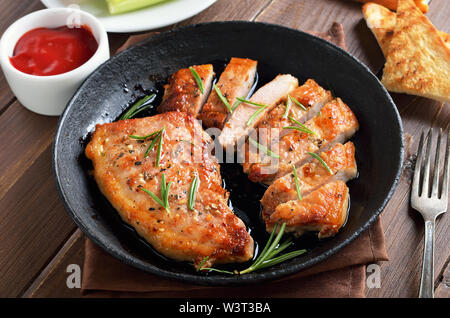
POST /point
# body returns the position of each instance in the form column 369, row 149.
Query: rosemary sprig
column 193, row 192
column 157, row 137
column 300, row 127
column 271, row 250
column 158, row 154
column 134, row 110
column 165, row 188
column 288, row 106
column 297, row 183
column 266, row 150
column 222, row 98
column 257, row 112
column 268, row 256
column 236, row 104
column 316, row 156
column 197, row 78
column 298, row 103
column 210, row 269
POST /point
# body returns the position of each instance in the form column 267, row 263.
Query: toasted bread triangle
column 392, row 4
column 381, row 21
column 417, row 61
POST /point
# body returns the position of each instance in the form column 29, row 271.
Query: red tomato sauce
column 45, row 51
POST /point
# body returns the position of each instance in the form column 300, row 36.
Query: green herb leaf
column 257, row 112
column 202, row 263
column 153, row 143
column 158, row 154
column 266, row 150
column 281, row 258
column 299, row 104
column 288, row 106
column 297, row 184
column 197, row 78
column 316, row 156
column 158, row 200
column 267, row 257
column 134, row 109
column 165, row 189
column 144, row 137
column 304, row 128
column 236, row 104
column 193, row 192
column 222, row 98
column 216, row 270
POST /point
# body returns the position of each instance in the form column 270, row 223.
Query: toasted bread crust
column 418, row 61
column 381, row 21
column 392, row 4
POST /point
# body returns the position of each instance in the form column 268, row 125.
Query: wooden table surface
column 38, row 240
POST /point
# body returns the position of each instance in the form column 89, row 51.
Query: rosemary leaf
column 166, row 197
column 222, row 98
column 301, row 129
column 236, row 104
column 281, row 258
column 297, row 184
column 316, row 156
column 132, row 111
column 216, row 270
column 266, row 150
column 243, row 100
column 257, row 112
column 202, row 263
column 158, row 200
column 144, row 137
column 153, row 143
column 197, row 78
column 288, row 107
column 305, row 129
column 193, row 192
column 158, row 155
column 299, row 104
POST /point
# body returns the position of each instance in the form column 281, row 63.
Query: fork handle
column 427, row 280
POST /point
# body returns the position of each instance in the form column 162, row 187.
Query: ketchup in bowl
column 45, row 51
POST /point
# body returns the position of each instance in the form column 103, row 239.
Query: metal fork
column 429, row 204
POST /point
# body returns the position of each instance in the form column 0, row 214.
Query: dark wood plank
column 10, row 11
column 26, row 135
column 319, row 15
column 443, row 286
column 52, row 282
column 229, row 10
column 33, row 226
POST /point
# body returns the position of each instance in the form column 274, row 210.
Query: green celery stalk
column 121, row 6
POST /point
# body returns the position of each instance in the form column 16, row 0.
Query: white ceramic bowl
column 48, row 95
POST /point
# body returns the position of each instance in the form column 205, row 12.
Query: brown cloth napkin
column 341, row 275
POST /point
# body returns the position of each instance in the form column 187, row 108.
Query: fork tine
column 417, row 169
column 446, row 168
column 426, row 173
column 437, row 163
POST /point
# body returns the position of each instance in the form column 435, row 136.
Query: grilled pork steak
column 125, row 176
column 182, row 92
column 246, row 116
column 324, row 210
column 340, row 159
column 235, row 81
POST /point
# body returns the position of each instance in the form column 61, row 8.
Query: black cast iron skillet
column 144, row 68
